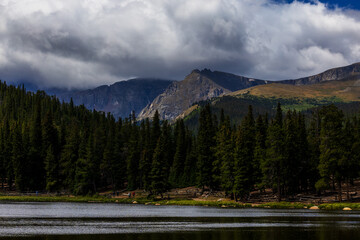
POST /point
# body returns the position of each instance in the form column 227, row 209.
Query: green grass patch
column 183, row 202
column 339, row 206
column 284, row 205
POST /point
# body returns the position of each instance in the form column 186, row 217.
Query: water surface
column 63, row 221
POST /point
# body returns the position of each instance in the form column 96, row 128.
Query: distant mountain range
column 205, row 84
column 339, row 86
column 120, row 98
column 174, row 98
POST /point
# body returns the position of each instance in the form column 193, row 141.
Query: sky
column 87, row 43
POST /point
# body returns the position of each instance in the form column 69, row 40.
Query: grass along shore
column 180, row 202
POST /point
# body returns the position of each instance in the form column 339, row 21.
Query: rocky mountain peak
column 197, row 86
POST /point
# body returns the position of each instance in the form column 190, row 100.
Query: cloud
column 86, row 43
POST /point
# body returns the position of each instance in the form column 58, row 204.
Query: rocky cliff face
column 197, row 86
column 341, row 73
column 120, row 98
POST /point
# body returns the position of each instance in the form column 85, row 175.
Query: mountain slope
column 205, row 84
column 120, row 98
column 197, row 86
column 340, row 86
column 344, row 90
column 341, row 73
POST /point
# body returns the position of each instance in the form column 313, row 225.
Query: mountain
column 120, row 98
column 341, row 90
column 335, row 74
column 197, row 86
column 301, row 95
column 205, row 84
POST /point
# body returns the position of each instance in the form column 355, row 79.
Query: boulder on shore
column 314, row 208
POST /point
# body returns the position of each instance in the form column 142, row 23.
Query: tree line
column 48, row 145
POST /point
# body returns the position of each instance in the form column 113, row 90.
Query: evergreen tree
column 303, row 154
column 109, row 157
column 36, row 170
column 331, row 164
column 292, row 162
column 177, row 168
column 349, row 161
column 146, row 154
column 133, row 156
column 272, row 166
column 224, row 156
column 259, row 151
column 119, row 164
column 69, row 157
column 205, row 143
column 160, row 167
column 52, row 171
column 19, row 160
column 313, row 138
column 244, row 157
column 85, row 177
column 50, row 143
column 190, row 165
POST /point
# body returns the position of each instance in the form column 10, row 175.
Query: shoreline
column 183, row 202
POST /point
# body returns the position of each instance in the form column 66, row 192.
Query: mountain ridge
column 120, row 98
column 197, row 86
column 176, row 99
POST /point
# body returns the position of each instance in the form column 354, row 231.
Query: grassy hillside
column 264, row 98
column 343, row 91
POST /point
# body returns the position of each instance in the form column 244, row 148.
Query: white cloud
column 86, row 43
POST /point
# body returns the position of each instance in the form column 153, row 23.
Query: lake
column 95, row 221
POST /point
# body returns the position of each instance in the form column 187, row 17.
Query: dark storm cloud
column 88, row 43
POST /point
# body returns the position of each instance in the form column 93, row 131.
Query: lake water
column 93, row 221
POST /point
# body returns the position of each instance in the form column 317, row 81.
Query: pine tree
column 52, row 171
column 51, row 149
column 146, row 154
column 36, row 169
column 84, row 178
column 272, row 166
column 291, row 166
column 190, row 165
column 331, row 148
column 177, row 168
column 133, row 156
column 244, row 157
column 259, row 151
column 349, row 161
column 314, row 151
column 119, row 165
column 160, row 167
column 303, row 154
column 224, row 156
column 69, row 157
column 19, row 159
column 109, row 157
column 205, row 145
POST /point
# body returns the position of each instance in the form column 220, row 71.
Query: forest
column 51, row 146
